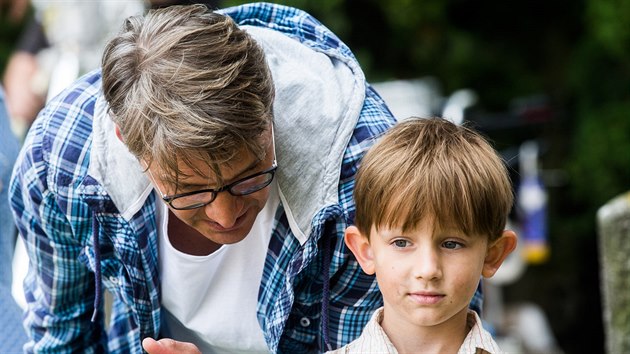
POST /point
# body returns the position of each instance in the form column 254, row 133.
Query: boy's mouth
column 426, row 297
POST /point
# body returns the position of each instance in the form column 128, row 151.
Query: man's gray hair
column 186, row 84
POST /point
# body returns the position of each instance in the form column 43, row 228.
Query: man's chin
column 228, row 236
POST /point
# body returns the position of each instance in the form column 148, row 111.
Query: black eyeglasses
column 244, row 186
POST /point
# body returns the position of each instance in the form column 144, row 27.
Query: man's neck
column 188, row 240
column 446, row 337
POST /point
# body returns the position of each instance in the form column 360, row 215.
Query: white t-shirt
column 211, row 300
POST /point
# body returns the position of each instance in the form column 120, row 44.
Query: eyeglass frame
column 228, row 187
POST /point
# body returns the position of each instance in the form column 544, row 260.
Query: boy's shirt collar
column 373, row 339
column 478, row 340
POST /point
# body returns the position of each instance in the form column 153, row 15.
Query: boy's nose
column 427, row 265
column 225, row 209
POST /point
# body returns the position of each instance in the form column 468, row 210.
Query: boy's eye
column 451, row 245
column 401, row 243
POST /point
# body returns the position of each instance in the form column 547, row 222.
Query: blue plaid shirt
column 311, row 295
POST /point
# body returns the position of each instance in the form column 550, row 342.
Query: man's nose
column 225, row 209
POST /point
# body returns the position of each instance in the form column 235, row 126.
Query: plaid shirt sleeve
column 59, row 288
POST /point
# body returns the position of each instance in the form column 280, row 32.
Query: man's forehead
column 201, row 171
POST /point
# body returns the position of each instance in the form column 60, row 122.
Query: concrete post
column 613, row 221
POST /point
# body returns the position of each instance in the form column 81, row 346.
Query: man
column 213, row 212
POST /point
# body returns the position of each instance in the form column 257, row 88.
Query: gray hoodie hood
column 317, row 105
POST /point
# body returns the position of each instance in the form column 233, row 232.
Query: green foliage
column 609, row 22
column 600, row 79
column 600, row 159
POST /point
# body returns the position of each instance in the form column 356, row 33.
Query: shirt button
column 114, row 280
column 305, row 322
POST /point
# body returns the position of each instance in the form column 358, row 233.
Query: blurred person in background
column 25, row 91
column 61, row 40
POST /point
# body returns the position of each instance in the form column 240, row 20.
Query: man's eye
column 452, row 245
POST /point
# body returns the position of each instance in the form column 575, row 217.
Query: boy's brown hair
column 433, row 168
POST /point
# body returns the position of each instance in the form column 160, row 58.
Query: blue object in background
column 532, row 203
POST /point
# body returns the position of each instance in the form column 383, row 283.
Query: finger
column 151, row 346
column 168, row 346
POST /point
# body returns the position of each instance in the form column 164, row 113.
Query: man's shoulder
column 71, row 110
column 61, row 135
column 292, row 22
column 80, row 93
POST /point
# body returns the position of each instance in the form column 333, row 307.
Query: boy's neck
column 446, row 337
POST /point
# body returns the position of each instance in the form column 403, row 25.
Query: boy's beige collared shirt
column 374, row 340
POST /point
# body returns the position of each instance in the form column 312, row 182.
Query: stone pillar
column 613, row 221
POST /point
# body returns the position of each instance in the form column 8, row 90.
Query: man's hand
column 168, row 346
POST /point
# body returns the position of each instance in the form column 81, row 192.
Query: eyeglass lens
column 239, row 188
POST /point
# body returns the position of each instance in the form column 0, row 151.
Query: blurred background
column 546, row 80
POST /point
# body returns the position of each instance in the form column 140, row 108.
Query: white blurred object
column 410, row 98
column 423, row 98
column 77, row 31
column 65, row 71
column 20, row 267
column 529, row 324
column 456, row 104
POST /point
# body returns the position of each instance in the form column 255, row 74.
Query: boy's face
column 427, row 277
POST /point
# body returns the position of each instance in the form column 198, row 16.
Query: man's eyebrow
column 190, row 186
column 183, row 185
column 252, row 166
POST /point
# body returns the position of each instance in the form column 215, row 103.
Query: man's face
column 427, row 278
column 228, row 219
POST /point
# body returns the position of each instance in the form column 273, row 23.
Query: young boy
column 432, row 200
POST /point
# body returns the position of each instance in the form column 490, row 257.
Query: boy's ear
column 498, row 252
column 360, row 247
